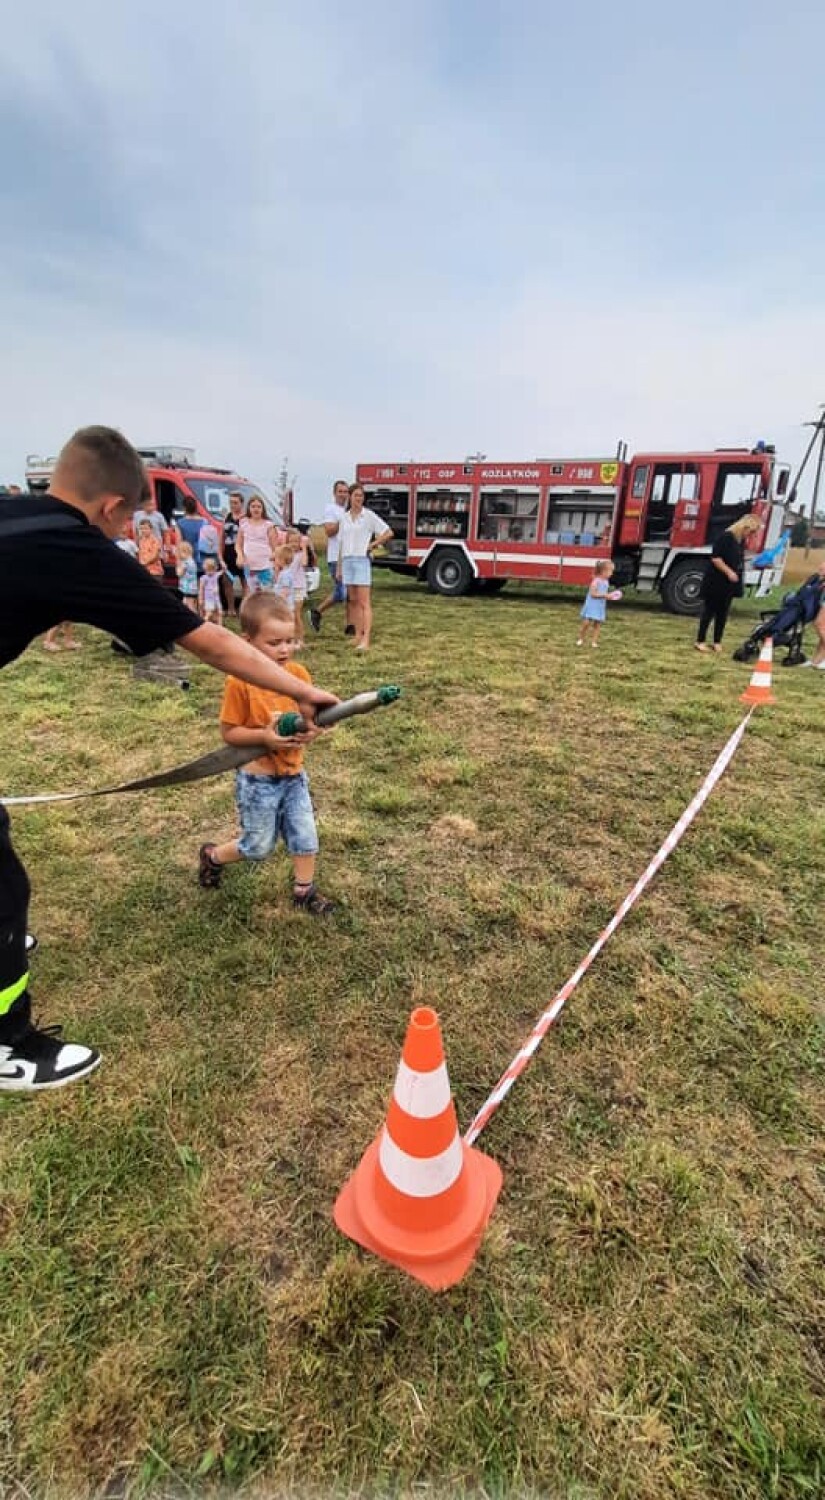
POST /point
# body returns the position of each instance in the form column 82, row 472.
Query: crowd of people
column 218, row 563
column 58, row 565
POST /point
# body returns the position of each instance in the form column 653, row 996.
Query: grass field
column 645, row 1318
column 799, row 567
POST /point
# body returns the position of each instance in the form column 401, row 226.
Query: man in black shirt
column 58, row 562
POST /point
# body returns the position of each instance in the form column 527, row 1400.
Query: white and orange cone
column 420, row 1197
column 759, row 687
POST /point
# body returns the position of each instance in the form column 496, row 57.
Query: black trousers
column 715, row 609
column 14, row 910
column 227, row 587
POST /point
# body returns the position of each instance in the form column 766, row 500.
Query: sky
column 396, row 230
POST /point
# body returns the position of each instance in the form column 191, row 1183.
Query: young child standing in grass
column 290, row 584
column 594, row 609
column 187, row 571
column 301, row 548
column 284, row 585
column 273, row 791
column 210, row 603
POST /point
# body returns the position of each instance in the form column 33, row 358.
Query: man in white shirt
column 332, row 520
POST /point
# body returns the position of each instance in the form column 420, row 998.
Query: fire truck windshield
column 213, row 495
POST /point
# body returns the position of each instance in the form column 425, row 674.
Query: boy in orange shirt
column 149, row 550
column 272, row 792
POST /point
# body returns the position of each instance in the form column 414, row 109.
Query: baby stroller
column 787, row 624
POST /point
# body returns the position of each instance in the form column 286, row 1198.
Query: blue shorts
column 339, row 593
column 259, row 580
column 273, row 807
column 356, row 571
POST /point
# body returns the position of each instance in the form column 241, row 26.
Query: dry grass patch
column 645, row 1317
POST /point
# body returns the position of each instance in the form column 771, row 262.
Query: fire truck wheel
column 681, row 587
column 449, row 572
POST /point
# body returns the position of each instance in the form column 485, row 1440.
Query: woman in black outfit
column 723, row 579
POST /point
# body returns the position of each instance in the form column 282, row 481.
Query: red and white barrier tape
column 545, row 1021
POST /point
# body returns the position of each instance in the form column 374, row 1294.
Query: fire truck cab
column 174, row 474
column 657, row 515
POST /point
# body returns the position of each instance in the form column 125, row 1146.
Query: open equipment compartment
column 443, row 511
column 579, row 517
column 508, row 515
column 392, row 503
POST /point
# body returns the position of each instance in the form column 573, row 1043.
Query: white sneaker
column 41, row 1060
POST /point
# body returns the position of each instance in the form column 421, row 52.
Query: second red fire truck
column 477, row 524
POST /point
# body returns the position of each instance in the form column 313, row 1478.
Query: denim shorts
column 356, row 571
column 339, row 593
column 259, row 580
column 273, row 807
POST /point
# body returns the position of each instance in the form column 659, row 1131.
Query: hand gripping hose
column 362, row 703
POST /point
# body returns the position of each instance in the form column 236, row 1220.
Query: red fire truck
column 174, row 475
column 476, row 524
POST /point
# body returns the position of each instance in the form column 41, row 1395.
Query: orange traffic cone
column 420, row 1198
column 758, row 689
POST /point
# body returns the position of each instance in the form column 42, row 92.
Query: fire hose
column 228, row 757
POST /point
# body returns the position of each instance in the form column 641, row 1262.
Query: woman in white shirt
column 360, row 531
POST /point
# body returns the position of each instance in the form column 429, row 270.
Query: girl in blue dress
column 187, row 571
column 594, row 609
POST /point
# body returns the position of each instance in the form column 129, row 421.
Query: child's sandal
column 312, row 901
column 209, row 872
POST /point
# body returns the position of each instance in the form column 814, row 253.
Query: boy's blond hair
column 284, row 555
column 257, row 609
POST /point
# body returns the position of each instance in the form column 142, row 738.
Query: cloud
column 416, row 229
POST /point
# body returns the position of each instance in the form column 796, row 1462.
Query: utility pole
column 820, row 432
column 817, row 436
column 284, row 491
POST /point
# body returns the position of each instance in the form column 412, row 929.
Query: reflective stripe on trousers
column 14, row 907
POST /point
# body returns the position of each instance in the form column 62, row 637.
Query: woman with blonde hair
column 723, row 579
